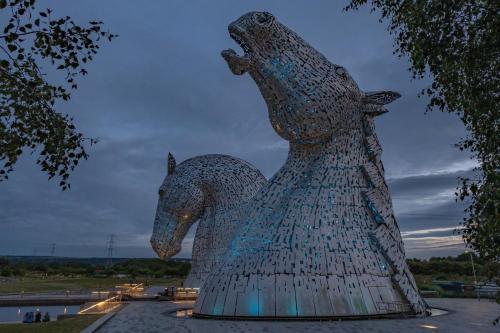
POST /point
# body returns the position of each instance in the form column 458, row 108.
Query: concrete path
column 154, row 290
column 466, row 316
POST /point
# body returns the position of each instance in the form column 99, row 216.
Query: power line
column 111, row 244
column 34, row 254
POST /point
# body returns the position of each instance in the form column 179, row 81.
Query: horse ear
column 171, row 164
column 380, row 97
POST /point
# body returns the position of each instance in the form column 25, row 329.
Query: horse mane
column 386, row 236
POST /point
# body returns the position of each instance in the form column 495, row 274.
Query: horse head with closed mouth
column 180, row 204
column 211, row 189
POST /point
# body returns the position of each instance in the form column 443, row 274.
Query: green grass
column 37, row 284
column 70, row 325
column 424, row 280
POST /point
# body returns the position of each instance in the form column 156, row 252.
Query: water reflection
column 16, row 313
column 187, row 313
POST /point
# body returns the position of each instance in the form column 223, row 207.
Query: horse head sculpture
column 320, row 239
column 211, row 189
column 308, row 97
column 180, row 204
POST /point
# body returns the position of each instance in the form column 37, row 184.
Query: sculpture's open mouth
column 238, row 64
column 235, row 35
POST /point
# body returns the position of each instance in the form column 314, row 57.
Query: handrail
column 103, row 306
column 131, row 288
column 394, row 306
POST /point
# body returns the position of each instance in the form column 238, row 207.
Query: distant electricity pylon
column 53, row 250
column 111, row 244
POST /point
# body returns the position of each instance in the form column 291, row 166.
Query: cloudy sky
column 162, row 86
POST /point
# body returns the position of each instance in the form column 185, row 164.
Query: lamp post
column 474, row 272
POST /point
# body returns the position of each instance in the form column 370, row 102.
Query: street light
column 474, row 272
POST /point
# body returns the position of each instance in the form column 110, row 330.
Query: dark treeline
column 436, row 266
column 132, row 267
column 460, row 265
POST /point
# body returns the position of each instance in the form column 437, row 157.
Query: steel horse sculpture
column 320, row 239
column 211, row 189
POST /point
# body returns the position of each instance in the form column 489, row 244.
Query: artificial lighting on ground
column 431, row 327
column 113, row 301
column 184, row 313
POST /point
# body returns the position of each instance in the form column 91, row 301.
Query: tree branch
column 24, row 33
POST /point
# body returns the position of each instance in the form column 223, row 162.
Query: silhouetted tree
column 28, row 116
column 457, row 43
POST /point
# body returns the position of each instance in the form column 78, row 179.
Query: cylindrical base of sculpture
column 289, row 296
column 398, row 315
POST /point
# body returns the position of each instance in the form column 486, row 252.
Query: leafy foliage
column 74, row 267
column 460, row 265
column 458, row 43
column 152, row 267
column 28, row 118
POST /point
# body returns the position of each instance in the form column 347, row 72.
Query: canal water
column 16, row 313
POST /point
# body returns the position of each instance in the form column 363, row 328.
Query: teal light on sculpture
column 253, row 306
column 333, row 174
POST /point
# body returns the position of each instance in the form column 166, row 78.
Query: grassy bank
column 426, row 279
column 70, row 325
column 54, row 283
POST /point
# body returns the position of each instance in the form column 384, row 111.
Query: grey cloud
column 162, row 86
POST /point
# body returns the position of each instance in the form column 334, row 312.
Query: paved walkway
column 154, row 290
column 466, row 316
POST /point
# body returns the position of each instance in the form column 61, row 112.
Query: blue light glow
column 253, row 306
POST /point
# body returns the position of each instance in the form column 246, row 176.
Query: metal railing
column 131, row 289
column 181, row 293
column 105, row 306
column 394, row 307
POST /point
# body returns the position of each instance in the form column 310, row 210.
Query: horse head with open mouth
column 320, row 239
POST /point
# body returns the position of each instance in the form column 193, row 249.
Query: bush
column 152, row 267
column 4, row 262
column 18, row 271
column 6, row 271
column 491, row 270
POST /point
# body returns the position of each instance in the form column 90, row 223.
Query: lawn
column 37, row 284
column 424, row 280
column 70, row 325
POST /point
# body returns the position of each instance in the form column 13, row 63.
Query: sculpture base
column 399, row 315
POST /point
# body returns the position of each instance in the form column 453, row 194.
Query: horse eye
column 161, row 192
